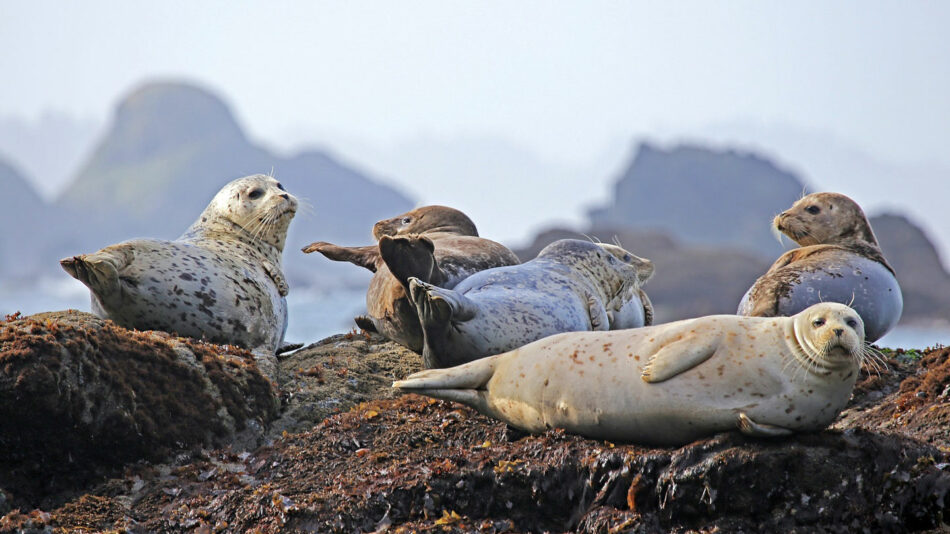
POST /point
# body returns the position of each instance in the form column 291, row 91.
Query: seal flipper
column 366, row 257
column 647, row 308
column 99, row 271
column 465, row 383
column 760, row 430
column 599, row 320
column 437, row 309
column 678, row 357
column 411, row 257
column 366, row 323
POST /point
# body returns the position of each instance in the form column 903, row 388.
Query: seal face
column 571, row 285
column 436, row 244
column 672, row 383
column 220, row 281
column 839, row 261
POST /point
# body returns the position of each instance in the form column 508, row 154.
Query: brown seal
column 436, row 244
column 839, row 261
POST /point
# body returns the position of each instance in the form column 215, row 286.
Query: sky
column 568, row 83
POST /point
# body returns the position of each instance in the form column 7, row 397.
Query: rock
column 415, row 464
column 80, row 397
column 336, row 374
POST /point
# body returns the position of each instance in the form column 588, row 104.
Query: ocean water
column 317, row 314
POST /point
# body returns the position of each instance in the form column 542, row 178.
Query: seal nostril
column 285, row 196
column 839, row 331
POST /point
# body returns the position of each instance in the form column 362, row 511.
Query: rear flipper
column 411, row 257
column 760, row 430
column 366, row 257
column 438, row 308
column 99, row 271
column 464, row 384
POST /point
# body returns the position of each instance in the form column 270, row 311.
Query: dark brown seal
column 839, row 261
column 436, row 244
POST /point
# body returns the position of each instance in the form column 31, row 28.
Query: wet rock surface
column 345, row 455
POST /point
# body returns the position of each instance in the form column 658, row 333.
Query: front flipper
column 647, row 308
column 760, row 430
column 366, row 257
column 411, row 256
column 678, row 357
column 599, row 320
column 277, row 276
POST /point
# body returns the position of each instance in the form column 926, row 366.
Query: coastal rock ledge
column 344, row 455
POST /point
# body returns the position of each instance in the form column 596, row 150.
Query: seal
column 571, row 285
column 839, row 261
column 669, row 384
column 221, row 281
column 436, row 244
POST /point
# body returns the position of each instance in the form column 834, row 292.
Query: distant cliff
column 703, row 217
column 170, row 148
column 701, row 196
column 25, row 219
column 924, row 282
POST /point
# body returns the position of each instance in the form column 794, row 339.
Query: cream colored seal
column 669, row 384
column 839, row 261
column 220, row 281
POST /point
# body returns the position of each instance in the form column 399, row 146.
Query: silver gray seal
column 572, row 285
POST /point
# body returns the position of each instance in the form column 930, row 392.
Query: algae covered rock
column 80, row 396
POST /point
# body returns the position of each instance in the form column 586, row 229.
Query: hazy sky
column 564, row 79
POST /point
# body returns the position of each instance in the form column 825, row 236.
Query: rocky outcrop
column 702, row 197
column 80, row 397
column 925, row 284
column 171, row 146
column 348, row 456
column 415, row 464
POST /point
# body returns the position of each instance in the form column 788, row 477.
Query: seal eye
column 281, row 187
column 406, row 220
column 626, row 257
column 256, row 193
column 852, row 323
column 818, row 322
column 814, row 210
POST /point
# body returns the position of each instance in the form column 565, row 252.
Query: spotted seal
column 672, row 383
column 839, row 261
column 436, row 244
column 571, row 285
column 221, row 280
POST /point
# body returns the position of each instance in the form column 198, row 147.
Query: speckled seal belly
column 572, row 285
column 672, row 383
column 221, row 281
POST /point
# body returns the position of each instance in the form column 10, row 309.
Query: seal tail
column 464, row 383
